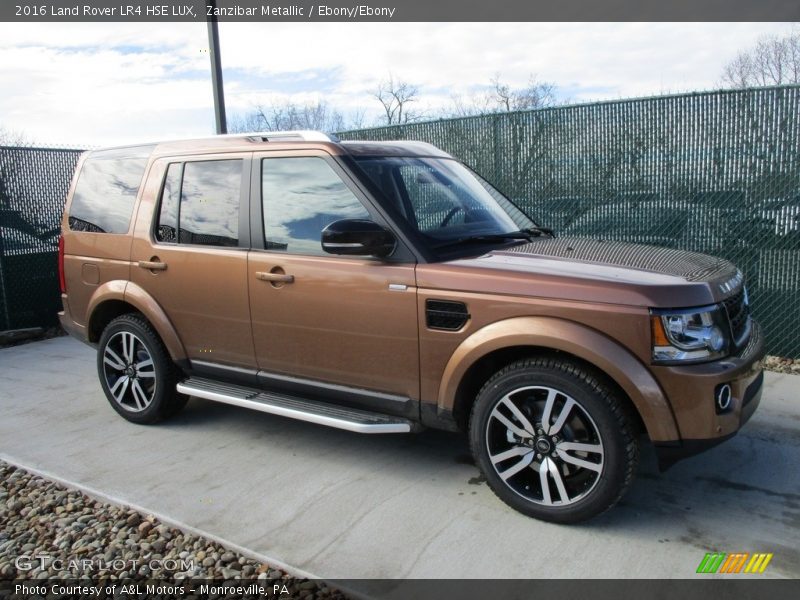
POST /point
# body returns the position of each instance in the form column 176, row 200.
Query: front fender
column 570, row 337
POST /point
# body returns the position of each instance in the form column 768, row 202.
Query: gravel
column 63, row 533
column 782, row 365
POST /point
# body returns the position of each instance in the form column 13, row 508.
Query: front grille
column 738, row 314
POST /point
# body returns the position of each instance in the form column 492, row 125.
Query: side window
column 302, row 196
column 208, row 211
column 105, row 194
column 167, row 229
column 210, row 197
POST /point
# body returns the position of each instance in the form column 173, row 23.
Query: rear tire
column 136, row 372
column 553, row 441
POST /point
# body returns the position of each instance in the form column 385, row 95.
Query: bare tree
column 537, row 94
column 284, row 116
column 395, row 96
column 501, row 97
column 357, row 119
column 10, row 137
column 774, row 60
column 478, row 103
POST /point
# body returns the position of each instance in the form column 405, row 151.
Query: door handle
column 153, row 265
column 274, row 277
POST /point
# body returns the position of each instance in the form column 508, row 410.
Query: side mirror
column 358, row 237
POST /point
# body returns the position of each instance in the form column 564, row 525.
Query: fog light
column 723, row 398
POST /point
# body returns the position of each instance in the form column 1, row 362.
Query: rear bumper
column 691, row 392
column 68, row 324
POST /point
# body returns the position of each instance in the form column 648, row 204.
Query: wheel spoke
column 510, row 453
column 139, row 395
column 562, row 418
column 526, row 425
column 556, row 474
column 146, row 364
column 113, row 360
column 579, row 462
column 505, row 421
column 127, row 341
column 548, row 410
column 578, row 447
column 119, row 388
column 544, row 471
column 516, row 468
column 132, row 347
column 549, row 469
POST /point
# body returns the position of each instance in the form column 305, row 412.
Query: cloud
column 101, row 84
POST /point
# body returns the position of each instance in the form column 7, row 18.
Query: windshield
column 443, row 199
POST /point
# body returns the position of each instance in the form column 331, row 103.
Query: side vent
column 445, row 314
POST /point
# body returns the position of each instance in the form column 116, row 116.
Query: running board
column 321, row 413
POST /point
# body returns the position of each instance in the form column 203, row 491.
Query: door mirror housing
column 358, row 237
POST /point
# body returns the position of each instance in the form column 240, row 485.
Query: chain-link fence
column 33, row 187
column 715, row 172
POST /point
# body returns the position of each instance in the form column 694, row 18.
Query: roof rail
column 303, row 135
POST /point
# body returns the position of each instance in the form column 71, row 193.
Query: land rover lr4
column 384, row 288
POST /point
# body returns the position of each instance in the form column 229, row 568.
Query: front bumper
column 691, row 392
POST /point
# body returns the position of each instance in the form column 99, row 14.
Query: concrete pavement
column 341, row 505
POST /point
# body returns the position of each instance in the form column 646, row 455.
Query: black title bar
column 398, row 10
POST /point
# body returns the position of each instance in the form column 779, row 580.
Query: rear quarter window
column 105, row 194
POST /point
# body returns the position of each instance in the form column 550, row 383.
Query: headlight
column 691, row 335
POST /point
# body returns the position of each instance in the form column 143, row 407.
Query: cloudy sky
column 106, row 84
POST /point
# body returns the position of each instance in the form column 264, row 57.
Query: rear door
column 343, row 325
column 191, row 256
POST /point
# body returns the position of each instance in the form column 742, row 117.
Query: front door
column 332, row 322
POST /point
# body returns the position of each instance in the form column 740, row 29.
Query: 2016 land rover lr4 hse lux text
column 385, row 287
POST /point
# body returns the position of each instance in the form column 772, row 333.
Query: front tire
column 553, row 441
column 136, row 372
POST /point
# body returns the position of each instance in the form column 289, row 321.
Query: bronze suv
column 384, row 287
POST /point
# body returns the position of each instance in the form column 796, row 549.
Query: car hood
column 594, row 270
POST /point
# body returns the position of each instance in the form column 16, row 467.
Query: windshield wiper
column 538, row 231
column 523, row 234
